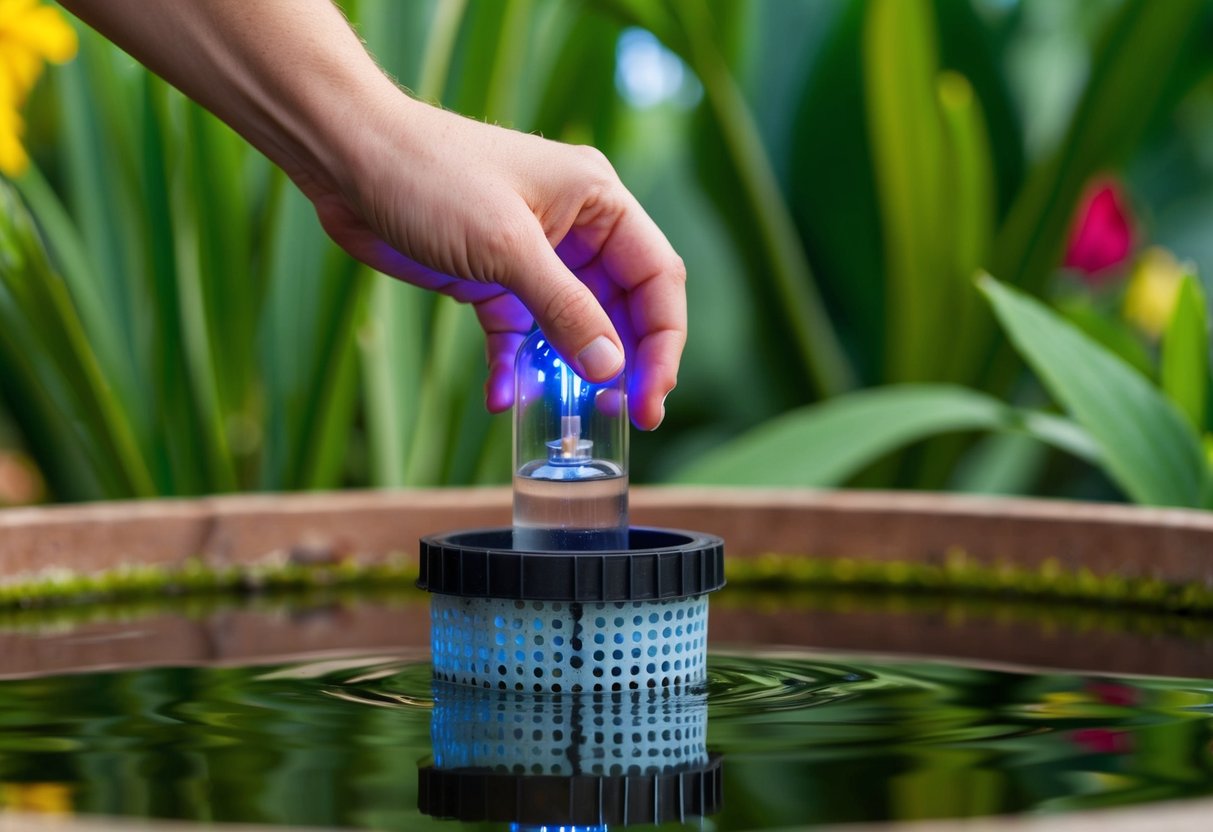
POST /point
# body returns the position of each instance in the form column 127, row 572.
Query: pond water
column 801, row 739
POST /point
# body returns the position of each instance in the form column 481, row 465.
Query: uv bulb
column 570, row 456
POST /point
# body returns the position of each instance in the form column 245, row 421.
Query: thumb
column 566, row 310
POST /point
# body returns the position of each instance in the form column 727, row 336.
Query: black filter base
column 658, row 564
column 473, row 795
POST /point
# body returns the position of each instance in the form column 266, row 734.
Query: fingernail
column 601, row 359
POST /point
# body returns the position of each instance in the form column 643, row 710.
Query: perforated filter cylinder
column 571, row 622
column 561, row 646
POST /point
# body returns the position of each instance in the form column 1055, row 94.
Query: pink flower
column 1102, row 740
column 1102, row 235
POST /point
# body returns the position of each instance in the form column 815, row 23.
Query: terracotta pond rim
column 1171, row 545
column 378, row 531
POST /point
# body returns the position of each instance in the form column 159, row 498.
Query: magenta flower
column 1102, row 236
column 1102, row 740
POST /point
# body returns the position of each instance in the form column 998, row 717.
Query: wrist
column 382, row 131
column 339, row 140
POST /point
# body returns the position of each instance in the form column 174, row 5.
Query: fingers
column 566, row 310
column 506, row 322
column 639, row 259
column 657, row 356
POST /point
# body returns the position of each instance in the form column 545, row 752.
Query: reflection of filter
column 597, row 759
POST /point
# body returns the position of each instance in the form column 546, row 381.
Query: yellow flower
column 46, row 798
column 13, row 158
column 31, row 34
column 1153, row 289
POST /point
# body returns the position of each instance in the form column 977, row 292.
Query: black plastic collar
column 658, row 564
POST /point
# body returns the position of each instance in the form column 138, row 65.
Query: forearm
column 288, row 75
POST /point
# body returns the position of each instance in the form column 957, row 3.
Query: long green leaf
column 969, row 204
column 1147, row 446
column 960, row 242
column 101, row 194
column 1112, row 332
column 231, row 292
column 824, row 445
column 1185, row 353
column 393, row 345
column 454, row 355
column 187, row 457
column 814, row 333
column 832, row 190
column 50, row 376
column 977, row 48
column 906, row 135
column 69, row 256
column 306, row 339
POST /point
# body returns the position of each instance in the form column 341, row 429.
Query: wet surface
column 805, row 738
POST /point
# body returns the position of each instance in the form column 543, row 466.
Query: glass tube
column 570, row 455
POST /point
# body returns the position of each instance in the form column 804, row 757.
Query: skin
column 523, row 228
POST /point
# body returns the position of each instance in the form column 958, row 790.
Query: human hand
column 516, row 225
column 523, row 229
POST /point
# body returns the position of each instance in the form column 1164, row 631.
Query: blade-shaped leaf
column 50, row 377
column 906, row 135
column 306, row 344
column 187, row 456
column 1147, row 446
column 1113, row 333
column 968, row 210
column 1185, row 353
column 824, row 445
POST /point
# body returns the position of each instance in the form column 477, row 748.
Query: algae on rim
column 959, row 573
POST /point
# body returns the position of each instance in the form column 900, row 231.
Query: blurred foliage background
column 835, row 173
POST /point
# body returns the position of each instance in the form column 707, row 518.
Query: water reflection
column 807, row 739
column 555, row 760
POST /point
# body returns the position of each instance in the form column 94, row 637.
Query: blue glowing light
column 553, row 379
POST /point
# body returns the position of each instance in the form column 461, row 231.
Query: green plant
column 827, row 444
column 1145, row 437
column 848, row 168
column 193, row 330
